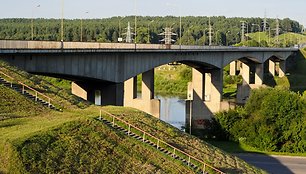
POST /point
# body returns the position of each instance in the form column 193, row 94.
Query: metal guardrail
column 160, row 143
column 29, row 89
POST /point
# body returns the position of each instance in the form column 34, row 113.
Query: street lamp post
column 62, row 23
column 135, row 22
column 82, row 28
column 188, row 33
column 226, row 41
column 32, row 23
column 120, row 39
column 149, row 31
column 259, row 33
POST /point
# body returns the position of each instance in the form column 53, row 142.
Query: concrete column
column 272, row 68
column 205, row 99
column 282, row 69
column 233, row 68
column 208, row 84
column 148, row 85
column 259, row 74
column 130, row 89
column 146, row 103
column 198, row 83
column 245, row 72
column 217, row 86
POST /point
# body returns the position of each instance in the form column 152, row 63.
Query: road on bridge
column 276, row 164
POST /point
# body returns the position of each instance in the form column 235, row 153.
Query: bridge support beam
column 146, row 102
column 204, row 98
column 100, row 94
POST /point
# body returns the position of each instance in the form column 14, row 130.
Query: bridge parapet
column 18, row 44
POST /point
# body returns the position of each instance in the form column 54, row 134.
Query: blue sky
column 294, row 9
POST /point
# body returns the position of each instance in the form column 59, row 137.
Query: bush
column 272, row 120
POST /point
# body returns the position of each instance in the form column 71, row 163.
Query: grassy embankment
column 38, row 140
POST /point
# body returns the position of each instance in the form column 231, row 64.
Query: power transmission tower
column 129, row 34
column 265, row 23
column 210, row 32
column 167, row 34
column 243, row 27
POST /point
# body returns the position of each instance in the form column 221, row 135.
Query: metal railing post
column 100, row 117
column 113, row 121
column 157, row 143
column 22, row 89
column 173, row 152
column 144, row 136
column 35, row 95
column 188, row 160
column 129, row 129
column 204, row 168
column 49, row 102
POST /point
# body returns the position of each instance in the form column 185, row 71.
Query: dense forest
column 195, row 30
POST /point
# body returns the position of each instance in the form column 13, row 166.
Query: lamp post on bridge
column 226, row 40
column 188, row 33
column 32, row 22
column 120, row 38
column 149, row 31
column 258, row 34
column 81, row 37
column 62, row 23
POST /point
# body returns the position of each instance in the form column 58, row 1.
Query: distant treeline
column 194, row 29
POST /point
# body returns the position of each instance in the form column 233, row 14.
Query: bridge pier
column 146, row 102
column 281, row 68
column 100, row 94
column 204, row 98
column 249, row 82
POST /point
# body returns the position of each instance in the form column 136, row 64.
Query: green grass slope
column 40, row 140
column 14, row 105
column 57, row 89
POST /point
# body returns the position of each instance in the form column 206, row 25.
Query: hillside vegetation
column 226, row 31
column 73, row 141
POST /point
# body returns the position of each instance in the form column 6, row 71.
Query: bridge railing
column 56, row 45
column 203, row 166
column 25, row 88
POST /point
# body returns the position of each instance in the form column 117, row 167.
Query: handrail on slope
column 24, row 87
column 159, row 143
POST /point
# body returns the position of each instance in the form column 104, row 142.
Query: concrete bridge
column 105, row 73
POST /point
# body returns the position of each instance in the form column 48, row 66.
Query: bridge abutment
column 146, row 102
